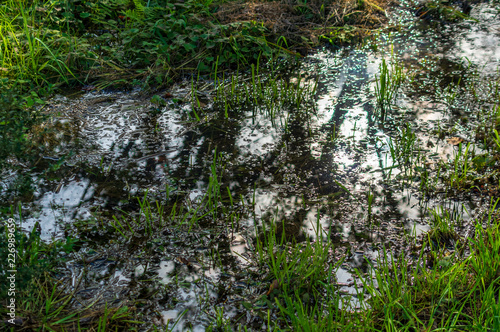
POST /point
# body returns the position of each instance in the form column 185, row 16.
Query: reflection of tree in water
column 217, row 136
column 288, row 226
column 353, row 86
column 290, row 165
column 353, row 83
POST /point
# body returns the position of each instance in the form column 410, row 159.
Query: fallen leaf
column 274, row 285
column 455, row 140
column 184, row 261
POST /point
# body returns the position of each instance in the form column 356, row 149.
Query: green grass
column 302, row 281
column 387, row 85
column 263, row 91
column 152, row 43
column 456, row 295
column 405, row 294
column 442, row 11
column 16, row 118
column 46, row 42
column 408, row 157
column 33, row 51
column 44, row 301
column 431, row 288
column 462, row 165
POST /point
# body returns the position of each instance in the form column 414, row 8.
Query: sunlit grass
column 387, row 85
column 30, row 50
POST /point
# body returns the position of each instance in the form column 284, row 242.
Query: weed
column 46, row 300
column 267, row 93
column 443, row 232
column 16, row 119
column 220, row 323
column 403, row 297
column 451, row 92
column 444, row 11
column 405, row 153
column 463, row 167
column 496, row 138
column 370, row 198
column 387, row 86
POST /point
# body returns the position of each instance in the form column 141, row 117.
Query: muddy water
column 316, row 165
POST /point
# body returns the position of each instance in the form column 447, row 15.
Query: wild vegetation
column 49, row 44
column 238, row 62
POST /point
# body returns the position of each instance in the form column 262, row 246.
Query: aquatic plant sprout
column 387, row 85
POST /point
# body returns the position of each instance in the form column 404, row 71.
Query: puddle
column 300, row 168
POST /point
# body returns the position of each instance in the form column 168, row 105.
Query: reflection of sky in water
column 63, row 206
column 345, row 278
column 127, row 121
column 198, row 192
column 264, row 200
column 355, row 124
column 416, row 229
column 107, row 124
column 311, row 221
column 166, row 268
column 120, row 278
column 427, row 112
column 171, row 129
column 187, row 309
column 408, row 204
column 238, row 248
column 480, row 44
column 258, row 134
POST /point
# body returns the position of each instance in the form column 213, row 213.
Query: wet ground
column 327, row 164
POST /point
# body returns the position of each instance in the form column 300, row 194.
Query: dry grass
column 301, row 22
